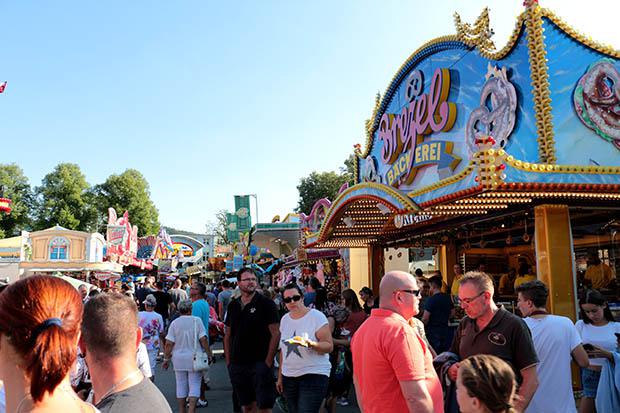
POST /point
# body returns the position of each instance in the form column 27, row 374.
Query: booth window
column 58, row 248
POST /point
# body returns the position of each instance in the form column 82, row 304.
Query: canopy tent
column 74, row 281
column 107, row 276
column 279, row 238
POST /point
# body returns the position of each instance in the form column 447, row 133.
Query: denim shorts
column 589, row 382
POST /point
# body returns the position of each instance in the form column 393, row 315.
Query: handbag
column 200, row 361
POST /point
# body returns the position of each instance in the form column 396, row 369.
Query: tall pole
column 256, row 203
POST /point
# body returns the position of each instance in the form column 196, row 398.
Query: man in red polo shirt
column 393, row 366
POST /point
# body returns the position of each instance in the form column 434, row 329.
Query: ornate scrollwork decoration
column 478, row 35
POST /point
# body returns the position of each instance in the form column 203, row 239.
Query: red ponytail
column 41, row 316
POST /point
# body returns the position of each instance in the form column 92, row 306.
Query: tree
column 128, row 191
column 316, row 186
column 64, row 199
column 15, row 187
column 348, row 170
column 219, row 227
column 324, row 185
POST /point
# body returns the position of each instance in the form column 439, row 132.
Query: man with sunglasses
column 488, row 329
column 393, row 365
column 250, row 344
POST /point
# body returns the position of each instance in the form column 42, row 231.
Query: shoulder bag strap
column 195, row 334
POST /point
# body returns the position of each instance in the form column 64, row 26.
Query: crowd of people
column 303, row 347
column 497, row 361
column 45, row 327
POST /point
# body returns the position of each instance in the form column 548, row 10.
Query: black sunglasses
column 414, row 292
column 295, row 298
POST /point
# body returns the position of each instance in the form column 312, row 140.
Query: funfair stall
column 512, row 155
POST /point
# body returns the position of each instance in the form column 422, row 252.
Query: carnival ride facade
column 466, row 133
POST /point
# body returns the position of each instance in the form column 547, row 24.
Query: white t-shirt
column 299, row 360
column 554, row 337
column 602, row 336
column 182, row 332
column 152, row 325
column 142, row 359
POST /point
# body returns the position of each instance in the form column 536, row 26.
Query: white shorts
column 188, row 383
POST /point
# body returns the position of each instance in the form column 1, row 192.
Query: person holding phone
column 597, row 329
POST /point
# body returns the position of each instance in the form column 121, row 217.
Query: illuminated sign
column 184, row 248
column 410, row 219
column 193, row 270
column 403, row 134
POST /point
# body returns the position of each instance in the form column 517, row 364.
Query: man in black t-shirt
column 145, row 290
column 250, row 344
column 437, row 311
column 165, row 305
column 488, row 329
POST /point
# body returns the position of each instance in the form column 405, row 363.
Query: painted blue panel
column 518, row 175
column 568, row 61
column 468, row 71
column 467, row 183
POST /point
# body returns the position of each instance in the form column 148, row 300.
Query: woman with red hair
column 40, row 319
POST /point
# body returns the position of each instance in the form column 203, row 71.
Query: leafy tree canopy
column 323, row 185
column 64, row 199
column 128, row 191
column 348, row 169
column 316, row 186
column 14, row 186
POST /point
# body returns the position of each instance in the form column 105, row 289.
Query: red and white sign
column 116, row 234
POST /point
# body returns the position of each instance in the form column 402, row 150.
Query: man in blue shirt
column 310, row 295
column 200, row 309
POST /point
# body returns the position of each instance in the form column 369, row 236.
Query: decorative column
column 376, row 266
column 448, row 258
column 555, row 259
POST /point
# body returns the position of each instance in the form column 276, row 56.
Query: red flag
column 2, row 86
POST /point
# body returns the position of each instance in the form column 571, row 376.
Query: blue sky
column 212, row 99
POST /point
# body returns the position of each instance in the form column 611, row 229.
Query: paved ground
column 220, row 394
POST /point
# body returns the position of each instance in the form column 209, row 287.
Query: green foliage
column 17, row 189
column 64, row 199
column 128, row 191
column 316, row 186
column 348, row 170
column 324, row 185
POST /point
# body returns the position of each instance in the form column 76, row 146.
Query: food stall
column 502, row 156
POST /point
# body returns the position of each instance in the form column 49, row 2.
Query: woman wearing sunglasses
column 305, row 345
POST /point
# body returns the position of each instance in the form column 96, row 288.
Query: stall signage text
column 403, row 134
column 410, row 219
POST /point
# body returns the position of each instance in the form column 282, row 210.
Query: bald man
column 388, row 354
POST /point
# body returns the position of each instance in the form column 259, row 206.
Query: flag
column 242, row 211
column 2, row 86
column 231, row 227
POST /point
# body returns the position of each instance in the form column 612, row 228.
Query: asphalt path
column 220, row 394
